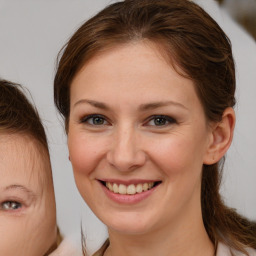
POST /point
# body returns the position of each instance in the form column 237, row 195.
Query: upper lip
column 129, row 182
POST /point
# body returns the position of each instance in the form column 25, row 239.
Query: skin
column 128, row 87
column 27, row 203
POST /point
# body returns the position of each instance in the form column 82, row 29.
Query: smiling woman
column 146, row 88
column 27, row 202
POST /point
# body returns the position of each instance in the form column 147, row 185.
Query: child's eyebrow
column 21, row 188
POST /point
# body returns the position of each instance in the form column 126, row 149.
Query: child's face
column 27, row 203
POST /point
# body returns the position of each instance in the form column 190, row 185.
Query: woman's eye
column 10, row 205
column 160, row 121
column 95, row 120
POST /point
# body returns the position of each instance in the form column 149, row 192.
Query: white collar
column 224, row 250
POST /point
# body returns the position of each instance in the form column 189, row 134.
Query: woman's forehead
column 131, row 68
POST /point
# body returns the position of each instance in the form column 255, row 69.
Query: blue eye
column 95, row 120
column 161, row 120
column 10, row 205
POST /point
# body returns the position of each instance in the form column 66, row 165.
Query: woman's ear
column 220, row 137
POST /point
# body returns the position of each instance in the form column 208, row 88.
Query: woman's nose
column 126, row 152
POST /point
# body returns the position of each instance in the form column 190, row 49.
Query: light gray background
column 31, row 34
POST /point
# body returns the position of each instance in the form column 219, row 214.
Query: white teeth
column 115, row 188
column 122, row 189
column 139, row 188
column 131, row 189
column 109, row 186
column 145, row 186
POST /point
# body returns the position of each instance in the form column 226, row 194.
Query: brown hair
column 193, row 43
column 19, row 116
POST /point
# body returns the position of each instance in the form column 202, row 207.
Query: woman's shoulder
column 224, row 250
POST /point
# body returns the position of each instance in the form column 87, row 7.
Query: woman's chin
column 127, row 227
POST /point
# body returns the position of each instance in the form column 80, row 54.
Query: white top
column 224, row 250
column 67, row 248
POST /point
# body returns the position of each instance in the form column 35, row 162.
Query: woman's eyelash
column 160, row 120
column 10, row 205
column 155, row 120
column 94, row 119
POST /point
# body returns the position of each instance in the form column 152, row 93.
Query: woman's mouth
column 129, row 192
column 130, row 189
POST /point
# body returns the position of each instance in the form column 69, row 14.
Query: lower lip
column 128, row 199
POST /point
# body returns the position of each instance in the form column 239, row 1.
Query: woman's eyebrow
column 154, row 105
column 142, row 107
column 93, row 103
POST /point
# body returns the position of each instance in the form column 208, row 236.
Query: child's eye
column 10, row 205
column 95, row 120
column 160, row 120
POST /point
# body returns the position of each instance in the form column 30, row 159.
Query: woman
column 27, row 202
column 147, row 92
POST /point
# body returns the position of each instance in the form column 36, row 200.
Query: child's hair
column 19, row 116
column 198, row 49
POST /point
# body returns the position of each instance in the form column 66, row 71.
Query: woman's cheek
column 84, row 153
column 172, row 154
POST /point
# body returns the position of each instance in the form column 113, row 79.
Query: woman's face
column 137, row 139
column 27, row 204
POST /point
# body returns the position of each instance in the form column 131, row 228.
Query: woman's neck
column 188, row 239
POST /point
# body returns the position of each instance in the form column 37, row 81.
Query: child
column 27, row 202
